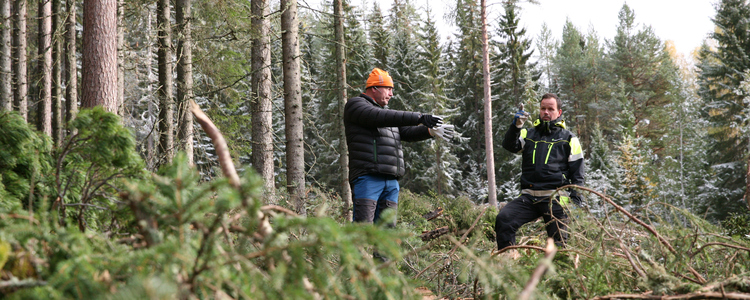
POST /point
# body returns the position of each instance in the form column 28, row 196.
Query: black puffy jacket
column 552, row 155
column 374, row 135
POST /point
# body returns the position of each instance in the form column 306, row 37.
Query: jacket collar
column 548, row 126
column 368, row 98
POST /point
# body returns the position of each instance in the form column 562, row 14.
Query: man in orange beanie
column 373, row 135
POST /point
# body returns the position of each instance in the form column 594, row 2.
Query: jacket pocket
column 375, row 150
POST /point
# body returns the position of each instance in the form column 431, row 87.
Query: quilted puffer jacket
column 374, row 135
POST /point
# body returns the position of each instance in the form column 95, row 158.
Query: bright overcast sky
column 686, row 22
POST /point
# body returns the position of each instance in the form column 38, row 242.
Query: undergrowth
column 170, row 235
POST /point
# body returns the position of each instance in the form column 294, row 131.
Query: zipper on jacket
column 375, row 150
column 549, row 150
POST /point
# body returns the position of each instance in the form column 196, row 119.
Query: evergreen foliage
column 24, row 161
column 721, row 72
column 91, row 219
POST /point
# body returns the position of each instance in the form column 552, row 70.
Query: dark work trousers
column 525, row 209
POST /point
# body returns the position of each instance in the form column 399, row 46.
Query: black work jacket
column 374, row 135
column 552, row 155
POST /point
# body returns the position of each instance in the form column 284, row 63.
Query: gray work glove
column 430, row 120
column 443, row 131
column 520, row 118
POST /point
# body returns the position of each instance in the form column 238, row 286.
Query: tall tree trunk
column 295, row 151
column 338, row 29
column 120, row 54
column 166, row 103
column 99, row 82
column 491, row 186
column 152, row 139
column 21, row 88
column 44, row 109
column 6, row 87
column 57, row 122
column 183, row 10
column 260, row 99
column 71, row 66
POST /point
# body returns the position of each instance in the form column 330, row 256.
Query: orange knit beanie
column 379, row 77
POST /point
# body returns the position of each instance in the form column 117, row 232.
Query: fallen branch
column 18, row 284
column 717, row 244
column 628, row 214
column 433, row 214
column 220, row 144
column 433, row 234
column 546, row 262
column 459, row 241
column 707, row 295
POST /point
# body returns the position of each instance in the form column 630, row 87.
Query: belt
column 545, row 193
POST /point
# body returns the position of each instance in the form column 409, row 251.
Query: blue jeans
column 373, row 194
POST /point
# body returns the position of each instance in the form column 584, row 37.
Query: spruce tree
column 514, row 83
column 720, row 76
column 467, row 89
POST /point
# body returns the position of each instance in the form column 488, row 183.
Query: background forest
column 125, row 197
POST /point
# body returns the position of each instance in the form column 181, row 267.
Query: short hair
column 553, row 96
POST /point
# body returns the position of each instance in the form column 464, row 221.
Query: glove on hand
column 521, row 117
column 576, row 198
column 430, row 120
column 444, row 132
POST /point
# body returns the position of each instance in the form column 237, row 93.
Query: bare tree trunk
column 152, row 139
column 99, row 83
column 44, row 109
column 183, row 10
column 71, row 67
column 57, row 122
column 120, row 55
column 338, row 29
column 6, row 87
column 260, row 100
column 295, row 151
column 491, row 187
column 166, row 103
column 21, row 89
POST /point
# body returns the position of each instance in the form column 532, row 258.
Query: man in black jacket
column 373, row 136
column 551, row 158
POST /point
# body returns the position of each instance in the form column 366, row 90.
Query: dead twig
column 278, row 209
column 546, row 262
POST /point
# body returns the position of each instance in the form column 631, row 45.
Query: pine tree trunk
column 295, row 152
column 57, row 122
column 71, row 66
column 183, row 11
column 346, row 189
column 44, row 108
column 99, row 82
column 166, row 103
column 21, row 88
column 120, row 54
column 6, row 88
column 260, row 100
column 491, row 187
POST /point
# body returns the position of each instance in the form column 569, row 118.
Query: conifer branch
column 653, row 231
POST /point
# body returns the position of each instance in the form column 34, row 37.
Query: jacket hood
column 547, row 126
